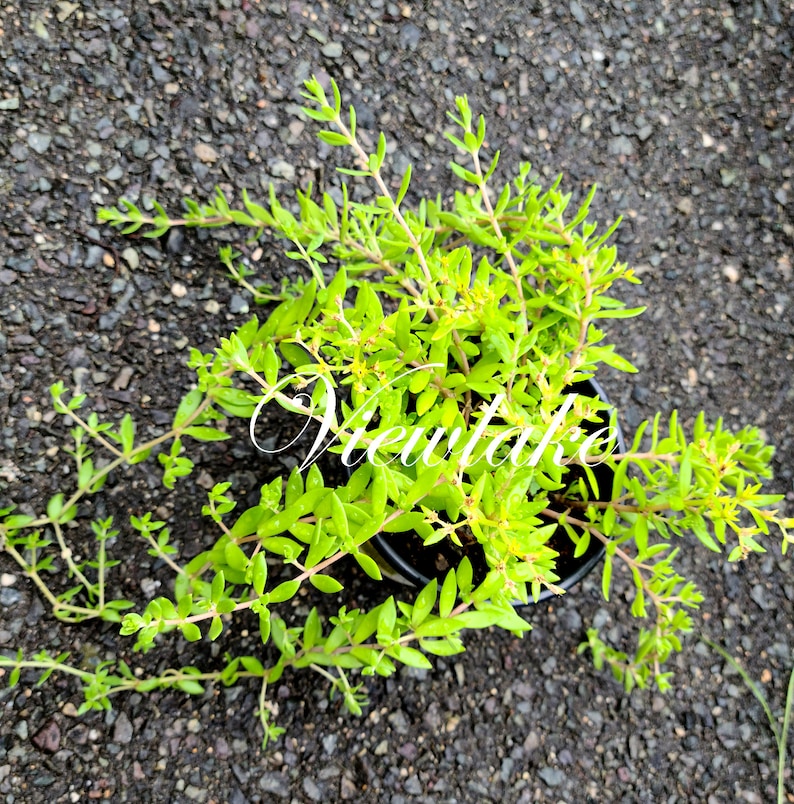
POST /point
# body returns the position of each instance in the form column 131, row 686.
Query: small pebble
column 731, row 273
column 728, row 176
column 122, row 379
column 206, row 153
column 140, row 147
column 39, row 142
column 333, row 50
column 48, row 737
column 130, row 256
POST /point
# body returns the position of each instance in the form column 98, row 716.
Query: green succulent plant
column 437, row 352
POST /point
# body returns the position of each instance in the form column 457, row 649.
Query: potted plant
column 445, row 356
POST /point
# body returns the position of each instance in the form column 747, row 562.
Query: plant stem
column 66, row 555
column 57, row 605
column 780, row 735
column 377, row 177
column 523, row 317
column 781, row 758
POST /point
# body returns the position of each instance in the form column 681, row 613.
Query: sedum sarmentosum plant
column 438, row 351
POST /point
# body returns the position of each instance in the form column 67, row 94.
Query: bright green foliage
column 416, row 321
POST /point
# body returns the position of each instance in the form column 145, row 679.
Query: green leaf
column 314, row 478
column 312, row 630
column 423, row 485
column 317, row 114
column 638, row 606
column 248, row 522
column 369, row 565
column 441, row 627
column 333, row 138
column 218, row 587
column 701, row 531
column 271, row 364
column 282, row 546
column 607, row 355
column 127, row 433
column 234, row 401
column 191, row 632
column 405, row 522
column 55, row 507
column 206, row 433
column 258, row 212
column 336, row 638
column 464, row 174
column 410, row 657
column 264, row 626
column 284, row 520
column 352, row 125
column 325, row 583
column 235, row 557
column 458, row 143
column 18, row 521
column 284, row 591
column 294, row 488
column 184, row 606
column 85, row 474
column 442, row 647
column 119, row 605
column 608, row 521
column 426, row 400
column 320, row 545
column 190, row 687
column 406, row 181
column 425, row 601
column 736, row 554
column 387, row 618
column 379, row 489
column 252, row 665
column 511, row 621
column 188, row 406
column 464, row 575
column 138, row 457
column 381, row 148
column 13, row 679
column 449, row 595
column 366, row 627
column 259, row 572
column 339, row 516
column 606, row 579
column 474, row 619
column 215, row 628
column 685, row 473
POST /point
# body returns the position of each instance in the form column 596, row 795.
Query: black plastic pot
column 400, row 555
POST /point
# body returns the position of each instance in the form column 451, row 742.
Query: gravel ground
column 683, row 115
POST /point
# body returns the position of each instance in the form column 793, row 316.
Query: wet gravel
column 683, row 115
